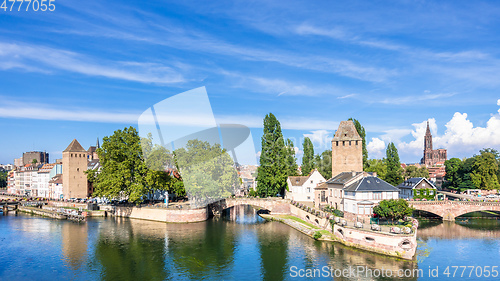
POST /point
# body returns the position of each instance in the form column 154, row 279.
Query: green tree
column 465, row 172
column 308, row 157
column 393, row 209
column 414, row 172
column 452, row 177
column 291, row 161
column 324, row 163
column 362, row 134
column 124, row 172
column 34, row 161
column 484, row 175
column 207, row 170
column 272, row 172
column 378, row 166
column 3, row 178
column 393, row 175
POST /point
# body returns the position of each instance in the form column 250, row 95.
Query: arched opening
column 244, row 214
column 316, row 221
column 426, row 215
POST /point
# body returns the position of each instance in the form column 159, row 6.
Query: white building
column 301, row 188
column 362, row 195
column 416, row 187
column 43, row 180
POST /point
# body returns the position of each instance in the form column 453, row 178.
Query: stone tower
column 74, row 165
column 347, row 149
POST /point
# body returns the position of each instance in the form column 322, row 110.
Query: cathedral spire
column 98, row 146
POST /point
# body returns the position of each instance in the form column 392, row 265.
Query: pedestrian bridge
column 273, row 205
column 449, row 210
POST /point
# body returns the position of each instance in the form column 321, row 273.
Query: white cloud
column 461, row 138
column 28, row 58
column 376, row 148
column 416, row 146
column 347, row 96
column 321, row 139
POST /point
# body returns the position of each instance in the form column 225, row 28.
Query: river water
column 239, row 246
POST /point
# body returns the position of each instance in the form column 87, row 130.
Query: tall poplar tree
column 291, row 161
column 272, row 172
column 324, row 163
column 362, row 134
column 308, row 157
column 394, row 171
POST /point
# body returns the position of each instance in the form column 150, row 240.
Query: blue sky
column 92, row 67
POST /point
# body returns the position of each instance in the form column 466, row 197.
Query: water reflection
column 471, row 228
column 237, row 246
column 74, row 243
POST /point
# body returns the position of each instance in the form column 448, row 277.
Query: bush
column 252, row 193
column 317, row 235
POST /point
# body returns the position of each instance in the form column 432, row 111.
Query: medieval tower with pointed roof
column 74, row 167
column 432, row 156
column 347, row 149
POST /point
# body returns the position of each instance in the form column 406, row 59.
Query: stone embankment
column 350, row 234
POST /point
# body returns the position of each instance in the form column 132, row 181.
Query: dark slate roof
column 342, row 177
column 371, row 184
column 411, row 182
column 91, row 165
column 75, row 146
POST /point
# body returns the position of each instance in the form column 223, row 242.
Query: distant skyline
column 90, row 68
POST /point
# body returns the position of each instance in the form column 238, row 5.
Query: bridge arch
column 273, row 205
column 449, row 210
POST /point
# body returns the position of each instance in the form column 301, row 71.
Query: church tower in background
column 432, row 156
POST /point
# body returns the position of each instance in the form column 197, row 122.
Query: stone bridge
column 449, row 210
column 273, row 205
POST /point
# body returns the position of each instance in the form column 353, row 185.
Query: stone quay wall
column 310, row 218
column 397, row 245
column 162, row 214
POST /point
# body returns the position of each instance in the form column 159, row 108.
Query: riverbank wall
column 396, row 245
column 390, row 244
column 41, row 212
column 161, row 214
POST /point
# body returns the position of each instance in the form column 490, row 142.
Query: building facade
column 432, row 156
column 40, row 157
column 347, row 149
column 361, row 196
column 416, row 187
column 74, row 167
column 301, row 188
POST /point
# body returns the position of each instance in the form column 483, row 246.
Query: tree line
column 478, row 172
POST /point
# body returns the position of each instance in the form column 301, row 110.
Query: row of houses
column 61, row 180
column 352, row 190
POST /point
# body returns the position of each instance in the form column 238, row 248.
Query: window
column 311, row 181
column 431, row 192
column 337, row 143
column 308, row 197
column 417, row 192
column 349, row 143
column 323, row 198
column 377, row 195
column 343, row 143
column 309, row 189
